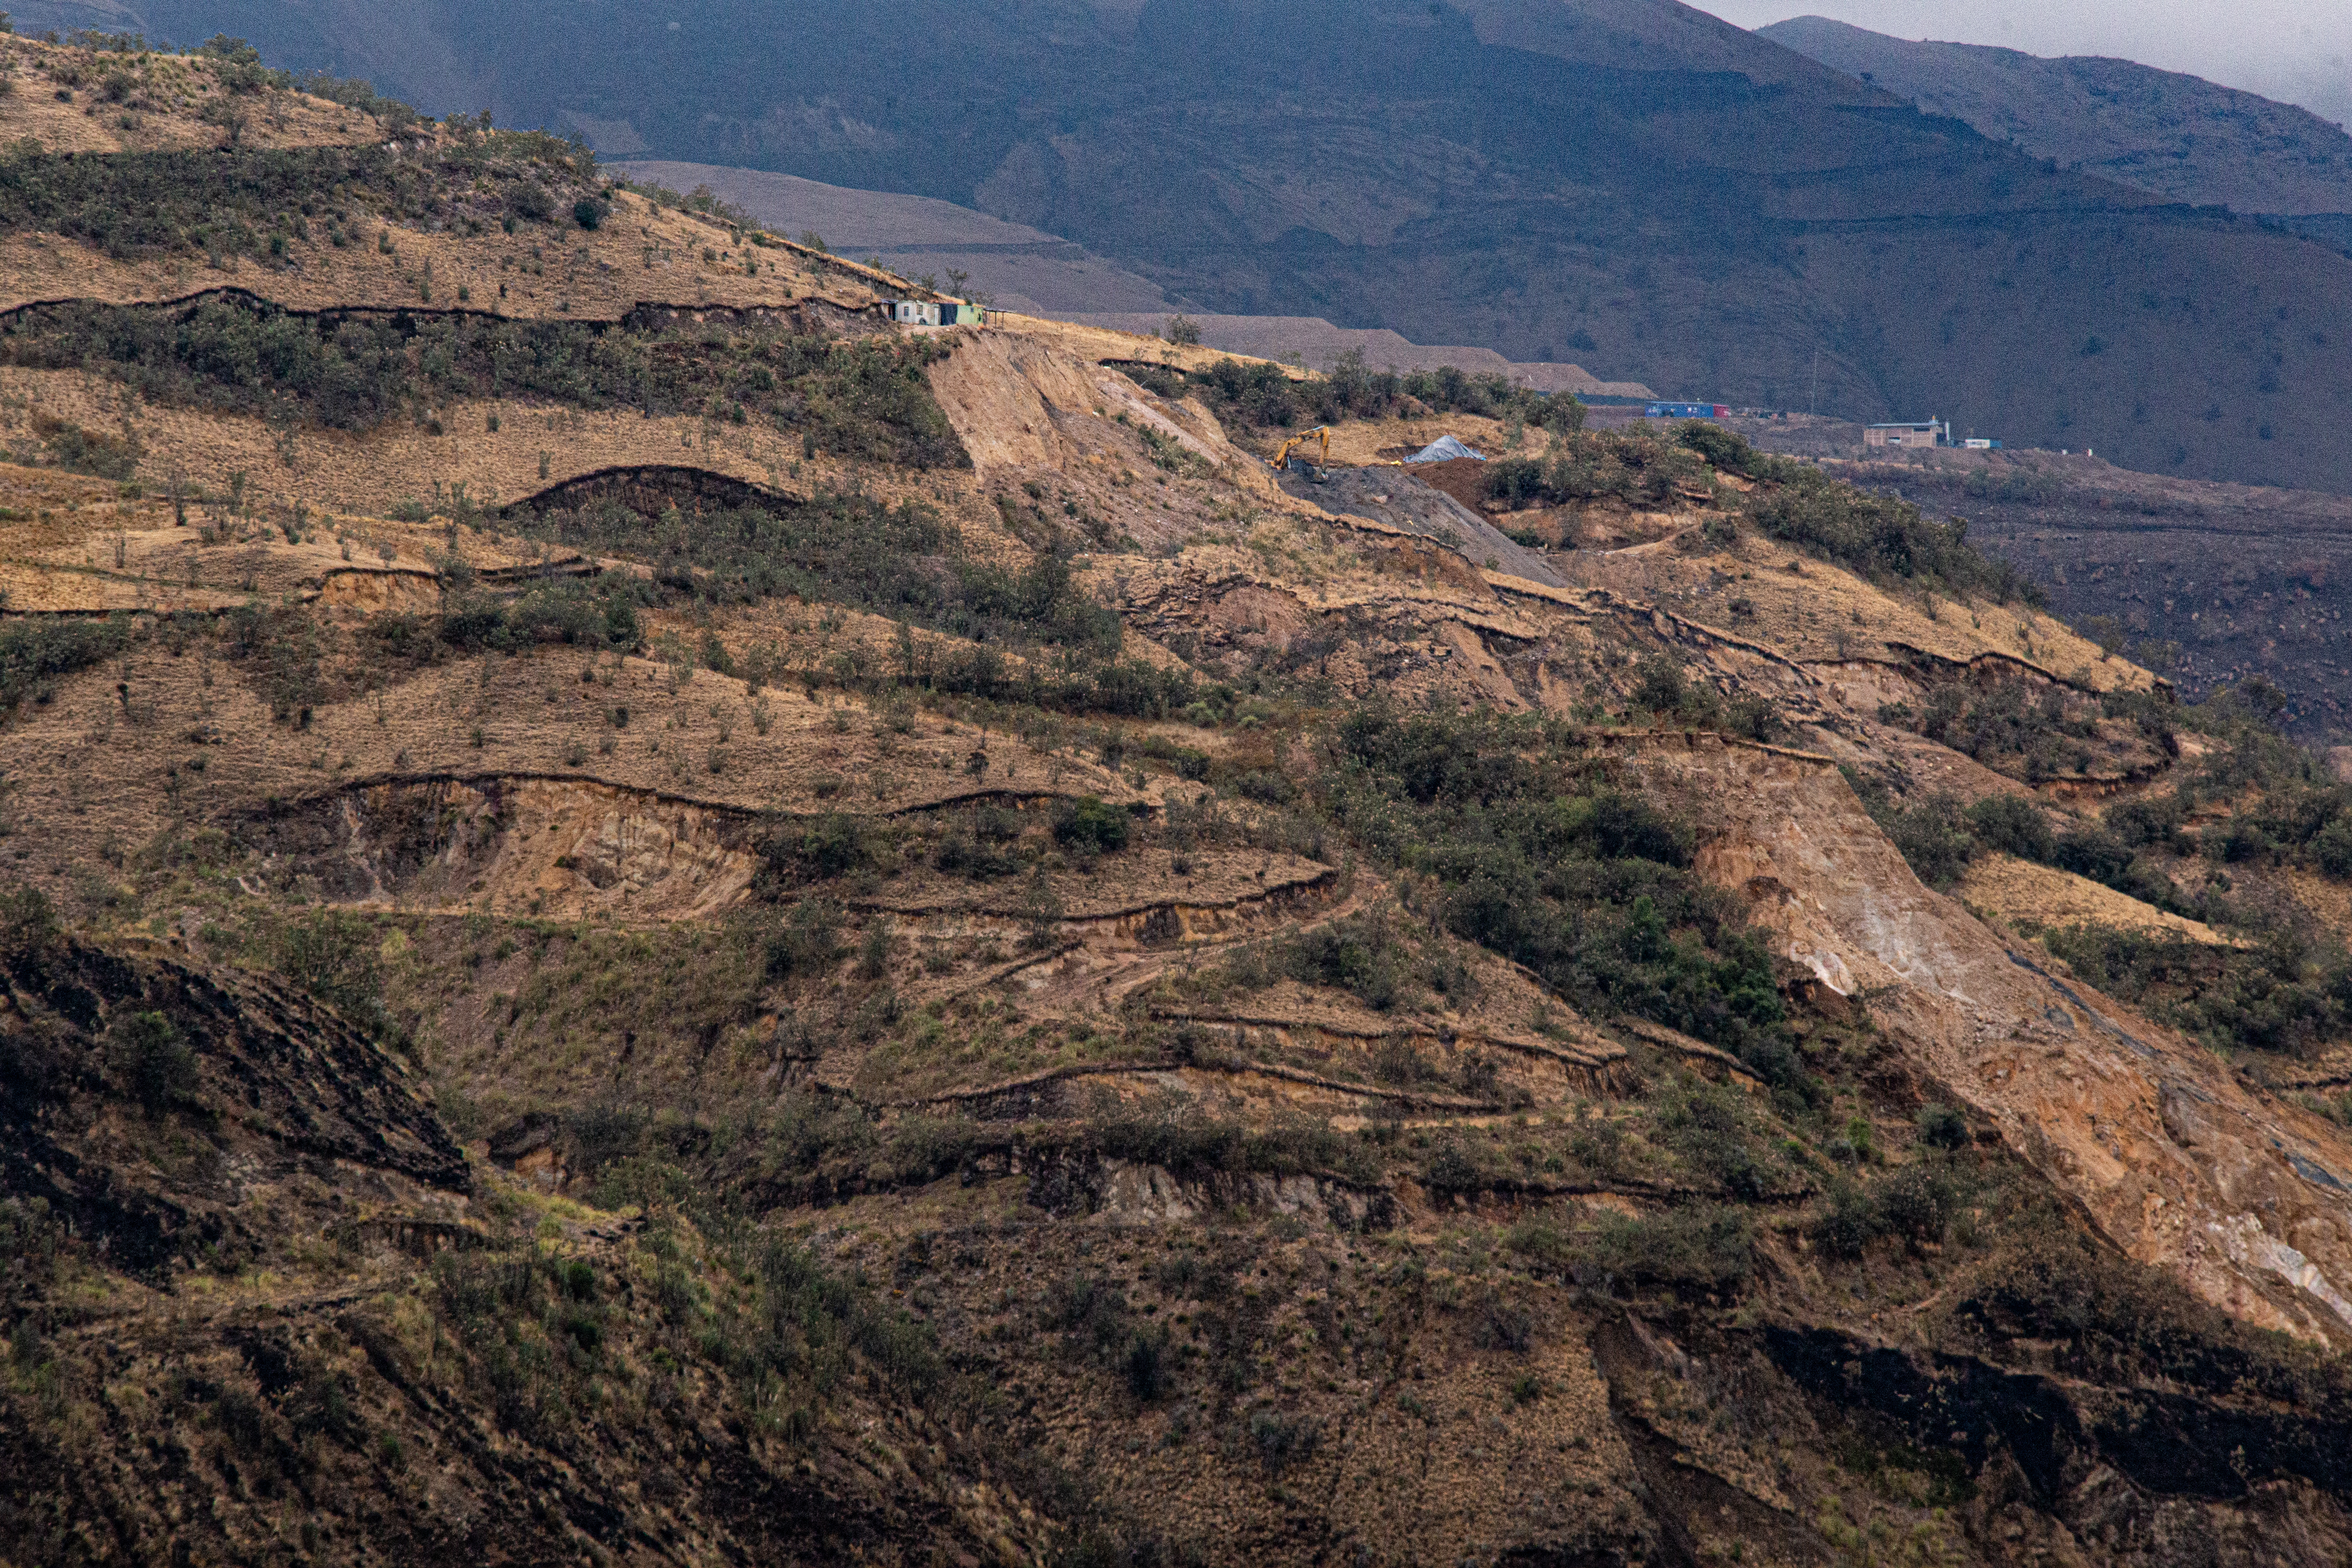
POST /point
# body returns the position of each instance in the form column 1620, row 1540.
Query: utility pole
column 1813, row 397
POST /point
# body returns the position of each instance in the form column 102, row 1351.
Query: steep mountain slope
column 899, row 950
column 2179, row 136
column 1716, row 215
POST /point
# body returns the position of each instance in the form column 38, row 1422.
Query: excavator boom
column 1323, row 432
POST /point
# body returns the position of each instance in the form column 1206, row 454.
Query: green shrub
column 1504, row 1327
column 600, row 613
column 1537, row 854
column 1659, row 687
column 93, row 452
column 333, row 955
column 1638, row 469
column 1362, row 955
column 1283, row 1441
column 1145, row 1365
column 155, row 1064
column 1451, row 1169
column 1941, row 1127
column 34, row 653
column 282, row 649
column 1710, row 1127
column 809, row 942
column 903, row 562
column 1267, row 787
column 1851, row 1223
column 2037, row 733
column 1090, row 1312
column 1091, row 824
column 1934, row 838
column 29, row 928
column 818, row 849
column 1264, row 396
column 2237, row 842
column 2278, row 997
column 1700, row 1247
column 1180, row 1136
column 2331, row 849
column 229, row 201
column 1917, row 1201
column 1878, row 536
column 2012, row 825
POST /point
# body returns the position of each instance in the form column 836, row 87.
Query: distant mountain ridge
column 2177, row 135
column 1713, row 213
column 1028, row 271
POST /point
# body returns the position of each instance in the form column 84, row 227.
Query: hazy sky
column 2297, row 51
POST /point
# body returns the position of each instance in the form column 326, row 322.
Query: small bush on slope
column 33, row 654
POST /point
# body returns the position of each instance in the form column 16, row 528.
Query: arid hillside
column 645, row 918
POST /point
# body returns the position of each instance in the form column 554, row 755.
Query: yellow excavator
column 1321, row 432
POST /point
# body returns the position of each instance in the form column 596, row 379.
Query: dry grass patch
column 73, row 100
column 2021, row 892
column 1816, row 613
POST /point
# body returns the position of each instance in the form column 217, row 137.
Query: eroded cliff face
column 2179, row 1161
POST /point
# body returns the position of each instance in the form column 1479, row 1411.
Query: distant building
column 1979, row 444
column 1921, row 433
column 1686, row 411
column 935, row 313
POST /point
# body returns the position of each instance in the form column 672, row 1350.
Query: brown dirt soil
column 2180, row 1163
column 82, row 546
column 1363, row 442
column 1002, row 388
column 2018, row 891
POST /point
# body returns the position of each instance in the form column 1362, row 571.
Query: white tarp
column 1442, row 449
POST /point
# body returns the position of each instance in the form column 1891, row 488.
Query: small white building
column 935, row 313
column 1917, row 433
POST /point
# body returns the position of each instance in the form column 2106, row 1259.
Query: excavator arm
column 1321, row 432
